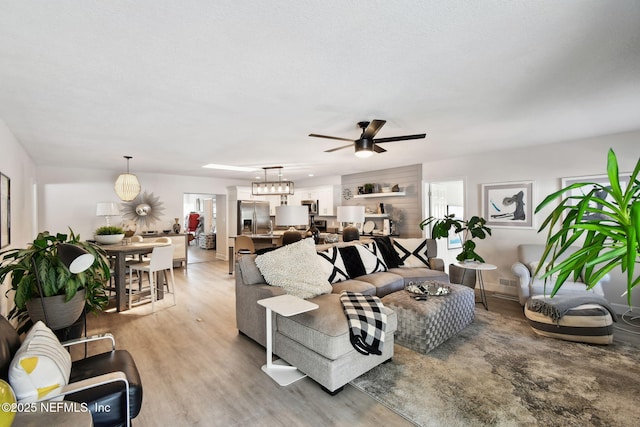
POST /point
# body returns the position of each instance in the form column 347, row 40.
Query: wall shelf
column 371, row 195
column 370, row 215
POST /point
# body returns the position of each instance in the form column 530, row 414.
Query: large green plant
column 475, row 227
column 55, row 277
column 606, row 217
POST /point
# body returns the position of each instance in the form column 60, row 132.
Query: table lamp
column 107, row 209
column 351, row 215
column 291, row 216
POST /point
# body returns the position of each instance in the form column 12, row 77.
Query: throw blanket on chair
column 558, row 306
column 366, row 320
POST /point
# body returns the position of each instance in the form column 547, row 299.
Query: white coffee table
column 479, row 267
column 284, row 305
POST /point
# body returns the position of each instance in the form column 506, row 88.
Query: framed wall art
column 5, row 210
column 599, row 179
column 508, row 205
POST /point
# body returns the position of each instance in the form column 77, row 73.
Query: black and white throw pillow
column 412, row 252
column 373, row 263
column 333, row 265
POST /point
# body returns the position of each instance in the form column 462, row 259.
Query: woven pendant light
column 127, row 185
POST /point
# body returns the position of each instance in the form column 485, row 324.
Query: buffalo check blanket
column 367, row 321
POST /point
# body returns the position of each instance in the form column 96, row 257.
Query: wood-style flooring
column 197, row 370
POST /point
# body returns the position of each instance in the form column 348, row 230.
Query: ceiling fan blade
column 399, row 138
column 338, row 148
column 378, row 149
column 373, row 129
column 330, row 137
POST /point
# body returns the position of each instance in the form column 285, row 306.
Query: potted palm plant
column 475, row 227
column 74, row 291
column 605, row 218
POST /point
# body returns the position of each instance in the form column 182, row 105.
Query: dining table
column 119, row 253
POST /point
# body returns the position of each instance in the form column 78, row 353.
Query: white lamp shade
column 292, row 215
column 127, row 187
column 107, row 209
column 352, row 214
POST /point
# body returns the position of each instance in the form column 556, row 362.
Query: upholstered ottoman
column 588, row 323
column 424, row 325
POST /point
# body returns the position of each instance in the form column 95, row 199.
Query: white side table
column 284, row 305
column 479, row 267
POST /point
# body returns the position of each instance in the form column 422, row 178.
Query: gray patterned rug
column 498, row 372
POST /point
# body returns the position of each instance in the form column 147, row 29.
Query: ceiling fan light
column 363, row 154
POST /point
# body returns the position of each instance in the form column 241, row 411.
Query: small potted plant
column 473, row 228
column 109, row 234
column 66, row 293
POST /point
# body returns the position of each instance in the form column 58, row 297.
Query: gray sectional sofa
column 318, row 342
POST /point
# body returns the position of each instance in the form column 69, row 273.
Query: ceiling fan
column 366, row 145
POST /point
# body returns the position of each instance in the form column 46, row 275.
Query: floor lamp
column 351, row 215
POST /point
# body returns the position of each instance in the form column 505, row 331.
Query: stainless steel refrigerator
column 253, row 217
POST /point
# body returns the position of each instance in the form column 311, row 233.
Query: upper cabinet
column 326, row 195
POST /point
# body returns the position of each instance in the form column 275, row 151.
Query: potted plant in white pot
column 603, row 220
column 71, row 292
column 109, row 234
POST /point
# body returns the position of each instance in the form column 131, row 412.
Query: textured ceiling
column 177, row 84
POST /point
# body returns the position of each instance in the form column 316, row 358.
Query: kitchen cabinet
column 328, row 197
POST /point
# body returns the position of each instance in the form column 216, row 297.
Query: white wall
column 18, row 166
column 545, row 165
column 68, row 197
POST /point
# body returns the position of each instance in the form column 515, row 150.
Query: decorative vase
column 176, row 226
column 60, row 313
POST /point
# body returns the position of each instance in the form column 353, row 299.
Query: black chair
column 106, row 380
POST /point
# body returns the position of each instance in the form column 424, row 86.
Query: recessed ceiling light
column 229, row 167
column 310, row 174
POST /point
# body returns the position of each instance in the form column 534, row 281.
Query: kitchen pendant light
column 278, row 187
column 127, row 185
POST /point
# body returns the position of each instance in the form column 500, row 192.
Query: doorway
column 446, row 198
column 199, row 222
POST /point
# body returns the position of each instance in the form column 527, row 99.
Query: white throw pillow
column 333, row 265
column 40, row 367
column 296, row 268
column 412, row 252
column 371, row 258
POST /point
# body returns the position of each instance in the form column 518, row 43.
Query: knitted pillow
column 296, row 268
column 412, row 252
column 40, row 367
column 333, row 265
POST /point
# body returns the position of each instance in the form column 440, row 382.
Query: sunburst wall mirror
column 145, row 210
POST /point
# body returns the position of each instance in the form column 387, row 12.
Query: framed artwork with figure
column 508, row 205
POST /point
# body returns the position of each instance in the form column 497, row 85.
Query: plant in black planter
column 605, row 218
column 473, row 228
column 84, row 289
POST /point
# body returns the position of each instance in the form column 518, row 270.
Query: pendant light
column 127, row 185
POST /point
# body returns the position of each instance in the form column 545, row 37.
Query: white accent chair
column 161, row 261
column 528, row 257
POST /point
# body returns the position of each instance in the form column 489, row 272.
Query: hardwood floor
column 198, row 371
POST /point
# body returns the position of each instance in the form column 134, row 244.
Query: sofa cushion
column 353, row 285
column 420, row 273
column 333, row 265
column 384, row 282
column 412, row 252
column 40, row 367
column 296, row 268
column 250, row 272
column 325, row 330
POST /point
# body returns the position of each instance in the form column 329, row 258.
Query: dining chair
column 161, row 261
column 244, row 244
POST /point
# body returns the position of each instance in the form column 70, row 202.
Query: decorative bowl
column 109, row 239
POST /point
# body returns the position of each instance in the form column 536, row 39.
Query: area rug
column 498, row 372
